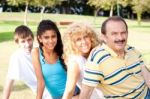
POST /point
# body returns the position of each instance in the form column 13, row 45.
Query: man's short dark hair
column 113, row 18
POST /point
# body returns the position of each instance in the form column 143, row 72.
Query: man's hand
column 86, row 92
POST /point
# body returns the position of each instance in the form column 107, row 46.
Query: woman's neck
column 85, row 55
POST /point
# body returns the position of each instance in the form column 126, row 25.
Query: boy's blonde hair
column 73, row 31
column 22, row 31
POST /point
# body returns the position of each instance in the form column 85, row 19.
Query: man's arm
column 146, row 75
column 86, row 92
column 7, row 88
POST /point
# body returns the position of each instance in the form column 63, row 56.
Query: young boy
column 20, row 65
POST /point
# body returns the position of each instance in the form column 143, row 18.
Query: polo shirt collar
column 112, row 52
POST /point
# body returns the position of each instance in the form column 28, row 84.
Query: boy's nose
column 27, row 43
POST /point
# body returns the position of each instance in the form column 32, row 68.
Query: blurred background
column 64, row 12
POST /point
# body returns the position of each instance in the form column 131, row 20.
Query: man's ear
column 103, row 37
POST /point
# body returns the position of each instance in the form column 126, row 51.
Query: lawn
column 139, row 36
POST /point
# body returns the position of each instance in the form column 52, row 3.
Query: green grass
column 138, row 37
column 6, row 36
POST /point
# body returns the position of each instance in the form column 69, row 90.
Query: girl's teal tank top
column 54, row 75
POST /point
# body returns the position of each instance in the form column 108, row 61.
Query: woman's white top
column 80, row 60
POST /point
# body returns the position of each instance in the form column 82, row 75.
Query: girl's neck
column 49, row 52
column 50, row 56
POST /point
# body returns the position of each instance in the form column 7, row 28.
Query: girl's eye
column 54, row 36
column 46, row 37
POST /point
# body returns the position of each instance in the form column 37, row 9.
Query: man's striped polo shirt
column 117, row 77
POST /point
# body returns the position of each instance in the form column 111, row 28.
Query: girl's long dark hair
column 45, row 25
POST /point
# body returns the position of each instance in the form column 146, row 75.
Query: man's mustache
column 120, row 41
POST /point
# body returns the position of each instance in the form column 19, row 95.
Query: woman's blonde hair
column 75, row 29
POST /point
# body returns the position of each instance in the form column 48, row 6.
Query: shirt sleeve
column 13, row 69
column 143, row 60
column 93, row 74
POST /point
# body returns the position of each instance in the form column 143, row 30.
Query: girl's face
column 48, row 39
column 83, row 43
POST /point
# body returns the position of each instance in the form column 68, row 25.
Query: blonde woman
column 79, row 39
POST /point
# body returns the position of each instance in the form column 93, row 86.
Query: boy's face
column 26, row 43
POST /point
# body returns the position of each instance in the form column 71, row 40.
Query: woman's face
column 83, row 43
column 48, row 39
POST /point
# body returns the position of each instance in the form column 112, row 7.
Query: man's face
column 26, row 43
column 116, row 35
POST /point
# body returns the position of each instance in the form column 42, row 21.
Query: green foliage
column 99, row 4
column 47, row 3
column 124, row 3
column 17, row 2
column 107, row 4
column 140, row 6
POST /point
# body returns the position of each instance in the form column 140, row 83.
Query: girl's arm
column 38, row 72
column 73, row 74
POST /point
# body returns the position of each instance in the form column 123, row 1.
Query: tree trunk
column 95, row 14
column 118, row 9
column 139, row 15
column 111, row 10
column 25, row 14
column 42, row 12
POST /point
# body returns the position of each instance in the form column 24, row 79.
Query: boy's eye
column 29, row 39
column 23, row 41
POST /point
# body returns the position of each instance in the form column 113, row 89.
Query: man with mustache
column 115, row 67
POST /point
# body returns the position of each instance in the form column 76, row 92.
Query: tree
column 2, row 1
column 140, row 6
column 46, row 3
column 24, row 2
column 109, row 4
column 123, row 3
column 105, row 4
column 97, row 4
